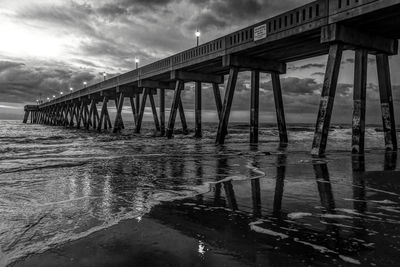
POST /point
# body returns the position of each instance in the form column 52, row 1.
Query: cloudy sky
column 48, row 46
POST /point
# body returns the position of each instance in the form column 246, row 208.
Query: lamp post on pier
column 137, row 62
column 197, row 36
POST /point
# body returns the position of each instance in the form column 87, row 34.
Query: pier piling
column 327, row 99
column 197, row 110
column 254, row 106
column 385, row 91
column 359, row 96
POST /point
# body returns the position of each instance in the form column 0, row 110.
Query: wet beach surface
column 79, row 198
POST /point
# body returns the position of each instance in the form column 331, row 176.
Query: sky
column 48, row 46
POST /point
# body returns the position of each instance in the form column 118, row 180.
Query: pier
column 323, row 27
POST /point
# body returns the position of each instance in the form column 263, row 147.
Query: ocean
column 186, row 201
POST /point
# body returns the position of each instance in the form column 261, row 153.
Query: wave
column 17, row 250
column 42, row 167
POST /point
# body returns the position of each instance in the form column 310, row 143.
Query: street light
column 48, row 99
column 54, row 96
column 71, row 89
column 197, row 36
column 61, row 93
column 84, row 84
column 104, row 75
column 137, row 62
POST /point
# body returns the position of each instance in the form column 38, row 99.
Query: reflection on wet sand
column 359, row 194
column 261, row 209
column 280, row 183
column 348, row 236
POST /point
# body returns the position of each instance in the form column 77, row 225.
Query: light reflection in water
column 202, row 249
column 72, row 187
column 87, row 190
column 107, row 195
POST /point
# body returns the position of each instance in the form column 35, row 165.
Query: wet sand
column 288, row 210
column 132, row 243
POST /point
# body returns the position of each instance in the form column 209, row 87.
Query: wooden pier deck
column 318, row 28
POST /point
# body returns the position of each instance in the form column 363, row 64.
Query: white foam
column 60, row 237
column 316, row 247
column 231, row 178
column 353, row 212
column 298, row 215
column 258, row 229
column 386, row 201
column 255, row 170
column 349, row 260
column 335, row 216
column 390, row 209
column 261, row 230
column 381, row 191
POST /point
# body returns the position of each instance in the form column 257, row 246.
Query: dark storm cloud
column 396, row 96
column 120, row 8
column 148, row 4
column 112, row 11
column 4, row 65
column 239, row 9
column 295, row 86
column 299, row 94
column 223, row 13
column 20, row 83
column 318, row 74
column 207, row 20
column 73, row 16
column 307, row 66
column 351, row 60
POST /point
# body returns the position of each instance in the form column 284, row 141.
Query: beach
column 77, row 198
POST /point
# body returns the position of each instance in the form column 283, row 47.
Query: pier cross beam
column 119, row 102
column 147, row 92
column 256, row 65
column 102, row 113
column 175, row 103
column 161, row 86
column 198, row 78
